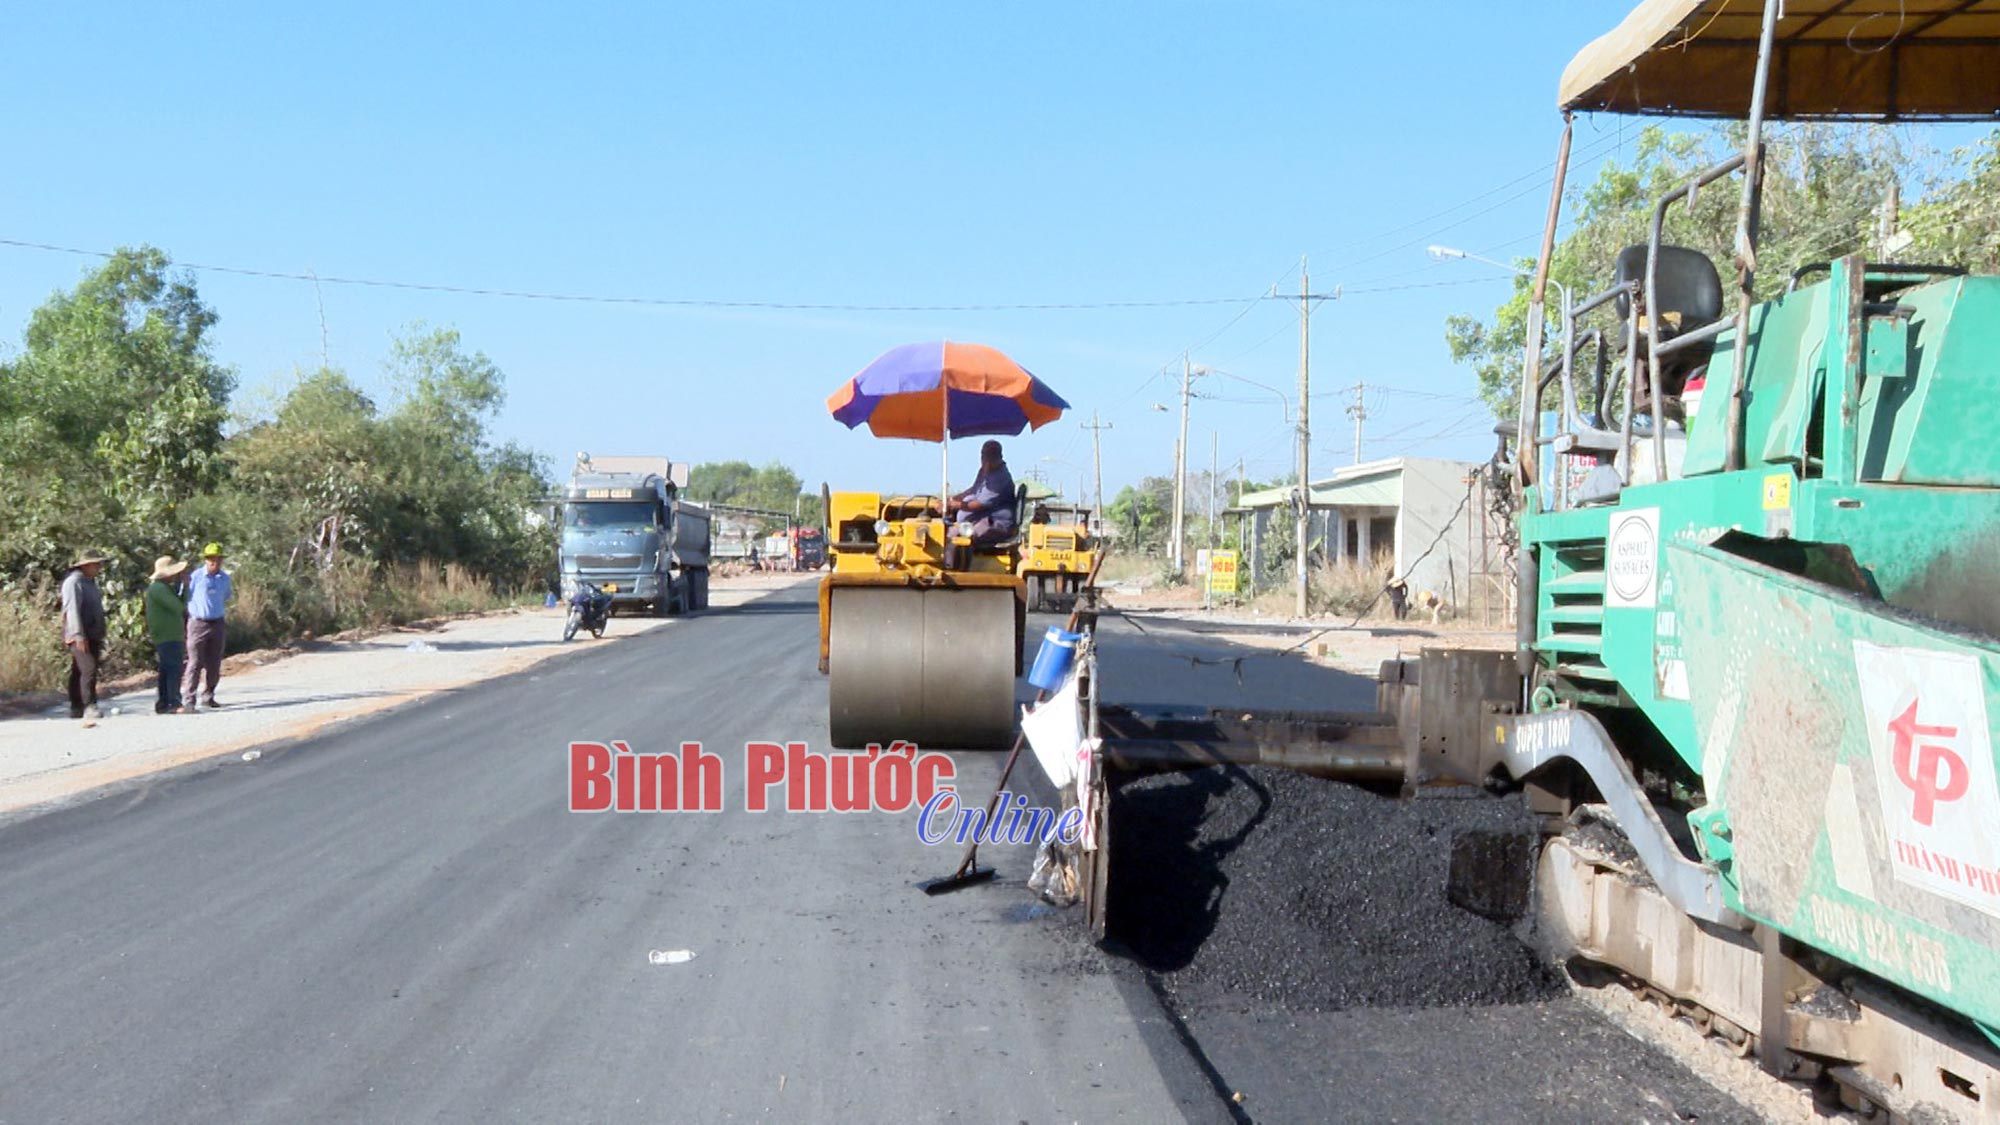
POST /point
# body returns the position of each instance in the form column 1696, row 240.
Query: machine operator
column 988, row 506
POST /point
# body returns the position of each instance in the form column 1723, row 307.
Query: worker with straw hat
column 208, row 595
column 166, row 623
column 83, row 634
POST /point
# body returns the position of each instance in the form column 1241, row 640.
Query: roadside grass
column 1130, row 568
column 269, row 609
column 1343, row 590
column 31, row 653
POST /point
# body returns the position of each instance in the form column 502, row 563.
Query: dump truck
column 1057, row 553
column 1757, row 637
column 626, row 530
column 912, row 650
column 808, row 548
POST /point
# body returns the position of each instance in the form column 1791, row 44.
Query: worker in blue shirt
column 207, row 596
column 988, row 506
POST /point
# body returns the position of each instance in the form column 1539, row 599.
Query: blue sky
column 897, row 154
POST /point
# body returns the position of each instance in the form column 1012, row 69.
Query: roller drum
column 932, row 666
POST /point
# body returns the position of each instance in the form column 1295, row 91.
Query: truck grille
column 1062, row 542
column 608, row 562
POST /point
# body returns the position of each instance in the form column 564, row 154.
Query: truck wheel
column 699, row 583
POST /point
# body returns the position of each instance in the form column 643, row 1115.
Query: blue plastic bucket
column 1052, row 663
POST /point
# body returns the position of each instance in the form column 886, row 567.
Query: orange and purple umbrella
column 940, row 390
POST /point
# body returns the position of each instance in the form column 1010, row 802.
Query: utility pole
column 1306, row 298
column 1213, row 541
column 1888, row 221
column 1358, row 412
column 1097, row 460
column 1305, row 428
column 1180, row 467
column 325, row 357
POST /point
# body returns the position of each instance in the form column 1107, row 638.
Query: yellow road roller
column 912, row 650
column 1057, row 554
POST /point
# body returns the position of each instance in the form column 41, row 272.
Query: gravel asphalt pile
column 1261, row 887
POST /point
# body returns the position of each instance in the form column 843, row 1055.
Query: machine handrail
column 1792, row 284
column 1688, row 191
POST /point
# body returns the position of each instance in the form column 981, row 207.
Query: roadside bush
column 31, row 654
column 1341, row 590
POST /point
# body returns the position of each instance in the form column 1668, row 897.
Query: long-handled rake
column 969, row 872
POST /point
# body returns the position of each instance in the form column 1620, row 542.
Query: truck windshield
column 608, row 514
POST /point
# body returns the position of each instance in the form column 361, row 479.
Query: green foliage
column 110, row 418
column 1958, row 223
column 1142, row 515
column 334, row 512
column 773, row 487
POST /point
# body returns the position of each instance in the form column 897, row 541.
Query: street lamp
column 1284, row 403
column 1447, row 253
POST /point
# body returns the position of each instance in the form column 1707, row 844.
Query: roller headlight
column 881, row 528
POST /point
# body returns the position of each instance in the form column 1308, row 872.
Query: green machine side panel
column 1786, row 366
column 1847, row 752
column 1930, row 402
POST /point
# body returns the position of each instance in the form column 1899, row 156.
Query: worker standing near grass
column 166, row 624
column 83, row 634
column 208, row 595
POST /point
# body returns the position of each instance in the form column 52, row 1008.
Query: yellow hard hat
column 212, row 551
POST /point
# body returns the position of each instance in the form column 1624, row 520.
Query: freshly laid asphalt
column 402, row 920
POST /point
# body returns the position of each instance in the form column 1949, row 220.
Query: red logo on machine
column 1939, row 773
column 1931, row 747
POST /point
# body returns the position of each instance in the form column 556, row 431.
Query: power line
column 1605, row 150
column 1541, row 175
column 655, row 302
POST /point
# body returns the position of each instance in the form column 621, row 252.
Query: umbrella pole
column 944, row 456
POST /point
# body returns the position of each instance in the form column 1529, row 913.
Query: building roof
column 1374, row 484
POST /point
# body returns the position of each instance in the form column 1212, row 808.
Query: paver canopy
column 1833, row 59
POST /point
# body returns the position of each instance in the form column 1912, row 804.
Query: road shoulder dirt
column 50, row 760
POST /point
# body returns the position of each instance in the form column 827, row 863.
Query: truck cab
column 627, row 533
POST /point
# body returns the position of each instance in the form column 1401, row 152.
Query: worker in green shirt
column 166, row 623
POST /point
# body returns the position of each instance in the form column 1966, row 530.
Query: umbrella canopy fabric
column 903, row 394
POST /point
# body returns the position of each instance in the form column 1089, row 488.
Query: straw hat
column 89, row 557
column 165, row 567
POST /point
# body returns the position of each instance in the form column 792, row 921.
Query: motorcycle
column 589, row 608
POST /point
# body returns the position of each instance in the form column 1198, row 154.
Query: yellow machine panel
column 1057, row 554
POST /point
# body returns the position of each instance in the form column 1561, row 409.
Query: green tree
column 1142, row 515
column 443, row 493
column 1958, row 223
column 315, row 466
column 773, row 487
column 110, row 418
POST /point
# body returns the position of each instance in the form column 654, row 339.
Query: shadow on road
column 1167, row 890
column 764, row 607
column 289, row 701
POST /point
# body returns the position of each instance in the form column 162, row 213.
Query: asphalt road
column 402, row 920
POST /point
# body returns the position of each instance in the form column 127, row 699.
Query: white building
column 1424, row 519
